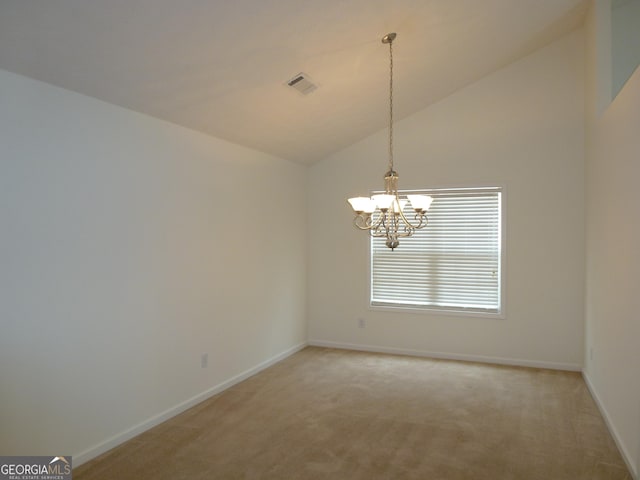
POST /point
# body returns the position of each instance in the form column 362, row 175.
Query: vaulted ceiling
column 221, row 67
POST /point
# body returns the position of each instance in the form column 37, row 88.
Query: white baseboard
column 612, row 429
column 108, row 444
column 573, row 367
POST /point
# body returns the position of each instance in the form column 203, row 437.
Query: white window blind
column 454, row 263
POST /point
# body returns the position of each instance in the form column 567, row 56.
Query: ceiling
column 221, row 67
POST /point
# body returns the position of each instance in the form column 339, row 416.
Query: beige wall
column 123, row 260
column 613, row 235
column 522, row 128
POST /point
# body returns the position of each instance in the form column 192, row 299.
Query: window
column 454, row 263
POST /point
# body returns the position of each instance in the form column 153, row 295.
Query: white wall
column 613, row 236
column 521, row 127
column 122, row 261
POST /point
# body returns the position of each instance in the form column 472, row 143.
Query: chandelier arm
column 420, row 217
column 381, row 227
column 424, row 220
column 394, row 224
column 362, row 222
column 379, row 222
column 406, row 233
column 365, row 222
column 402, row 227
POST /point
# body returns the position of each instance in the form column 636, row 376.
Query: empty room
column 345, row 239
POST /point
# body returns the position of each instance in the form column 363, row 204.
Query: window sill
column 438, row 311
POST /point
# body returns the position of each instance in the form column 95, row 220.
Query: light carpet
column 335, row 414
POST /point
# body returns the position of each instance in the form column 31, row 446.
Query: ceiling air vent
column 302, row 83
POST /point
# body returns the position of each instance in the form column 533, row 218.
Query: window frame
column 450, row 311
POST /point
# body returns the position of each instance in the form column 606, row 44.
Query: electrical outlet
column 361, row 323
column 204, row 360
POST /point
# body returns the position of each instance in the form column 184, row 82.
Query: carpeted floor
column 335, row 414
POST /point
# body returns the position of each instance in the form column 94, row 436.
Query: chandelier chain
column 391, row 105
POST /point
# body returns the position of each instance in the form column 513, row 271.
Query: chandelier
column 382, row 215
